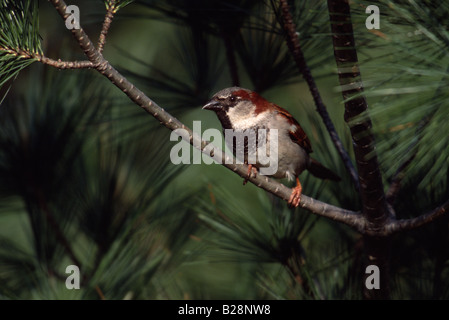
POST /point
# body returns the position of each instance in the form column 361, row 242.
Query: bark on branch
column 356, row 116
column 356, row 113
column 111, row 10
column 42, row 58
column 413, row 223
column 64, row 64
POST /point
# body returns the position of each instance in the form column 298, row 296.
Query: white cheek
column 242, row 122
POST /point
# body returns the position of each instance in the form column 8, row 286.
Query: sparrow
column 241, row 109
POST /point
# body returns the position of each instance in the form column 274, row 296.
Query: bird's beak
column 213, row 105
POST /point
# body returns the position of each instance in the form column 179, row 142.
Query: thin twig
column 111, row 10
column 413, row 223
column 100, row 293
column 88, row 47
column 85, row 64
column 296, row 50
column 17, row 52
column 42, row 58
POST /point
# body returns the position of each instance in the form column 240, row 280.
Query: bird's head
column 236, row 105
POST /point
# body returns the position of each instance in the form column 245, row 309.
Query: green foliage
column 19, row 21
column 116, row 5
column 291, row 261
column 405, row 73
column 85, row 178
column 212, row 16
column 194, row 71
column 19, row 37
column 407, row 96
column 83, row 196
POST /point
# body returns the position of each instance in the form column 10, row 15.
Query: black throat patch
column 224, row 119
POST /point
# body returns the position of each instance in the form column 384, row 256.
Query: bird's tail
column 320, row 171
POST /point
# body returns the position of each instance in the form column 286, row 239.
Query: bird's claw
column 251, row 170
column 295, row 197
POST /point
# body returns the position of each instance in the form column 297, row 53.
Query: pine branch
column 348, row 217
column 65, row 64
column 86, row 45
column 296, row 50
column 19, row 53
column 413, row 223
column 24, row 54
column 19, row 23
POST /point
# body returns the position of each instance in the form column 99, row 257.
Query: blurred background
column 86, row 177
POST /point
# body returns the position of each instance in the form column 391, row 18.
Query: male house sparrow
column 241, row 109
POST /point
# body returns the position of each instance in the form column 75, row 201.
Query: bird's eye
column 233, row 98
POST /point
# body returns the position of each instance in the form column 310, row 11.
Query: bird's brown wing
column 298, row 135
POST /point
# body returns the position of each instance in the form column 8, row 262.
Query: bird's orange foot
column 251, row 170
column 295, row 197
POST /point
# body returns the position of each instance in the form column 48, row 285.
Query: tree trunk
column 356, row 116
